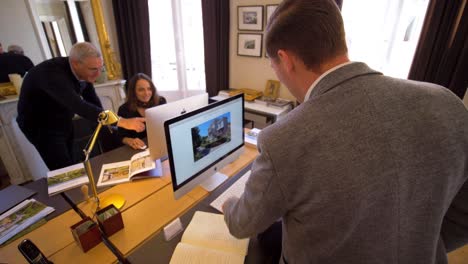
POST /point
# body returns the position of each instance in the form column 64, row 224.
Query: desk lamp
column 105, row 118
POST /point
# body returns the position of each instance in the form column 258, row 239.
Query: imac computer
column 202, row 142
column 156, row 116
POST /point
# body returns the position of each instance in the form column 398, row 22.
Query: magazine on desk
column 66, row 178
column 207, row 240
column 139, row 166
column 20, row 217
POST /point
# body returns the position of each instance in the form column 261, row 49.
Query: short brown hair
column 131, row 92
column 311, row 29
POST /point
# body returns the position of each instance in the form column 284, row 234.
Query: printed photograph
column 113, row 174
column 211, row 135
column 249, row 44
column 65, row 177
column 250, row 17
column 141, row 163
column 9, row 223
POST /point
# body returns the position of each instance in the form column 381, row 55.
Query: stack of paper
column 207, row 240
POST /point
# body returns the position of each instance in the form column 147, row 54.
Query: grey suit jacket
column 370, row 169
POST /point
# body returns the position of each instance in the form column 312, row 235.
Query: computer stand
column 213, row 181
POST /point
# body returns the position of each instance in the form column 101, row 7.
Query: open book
column 20, row 217
column 66, row 178
column 135, row 168
column 207, row 240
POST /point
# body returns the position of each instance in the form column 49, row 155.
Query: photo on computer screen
column 211, row 135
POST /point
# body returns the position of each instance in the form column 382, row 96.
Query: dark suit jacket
column 13, row 63
column 370, row 169
column 51, row 95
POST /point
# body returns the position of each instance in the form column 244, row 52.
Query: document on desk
column 139, row 166
column 207, row 240
column 20, row 217
column 235, row 190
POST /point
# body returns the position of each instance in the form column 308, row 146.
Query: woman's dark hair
column 312, row 29
column 132, row 100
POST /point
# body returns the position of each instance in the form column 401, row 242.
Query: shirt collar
column 309, row 91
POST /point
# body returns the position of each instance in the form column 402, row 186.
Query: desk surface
column 149, row 207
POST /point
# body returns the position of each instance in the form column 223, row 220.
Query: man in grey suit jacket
column 368, row 169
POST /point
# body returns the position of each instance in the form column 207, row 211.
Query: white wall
column 250, row 72
column 16, row 27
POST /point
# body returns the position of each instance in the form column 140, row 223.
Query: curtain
column 441, row 56
column 132, row 23
column 216, row 38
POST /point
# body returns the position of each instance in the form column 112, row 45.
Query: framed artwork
column 269, row 11
column 249, row 44
column 250, row 18
column 272, row 89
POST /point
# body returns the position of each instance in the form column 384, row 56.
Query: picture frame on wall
column 269, row 11
column 249, row 44
column 250, row 18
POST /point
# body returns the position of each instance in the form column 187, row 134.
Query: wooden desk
column 149, row 207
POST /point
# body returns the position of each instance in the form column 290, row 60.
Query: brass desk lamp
column 105, row 118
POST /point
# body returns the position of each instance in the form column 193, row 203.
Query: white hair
column 83, row 50
column 15, row 49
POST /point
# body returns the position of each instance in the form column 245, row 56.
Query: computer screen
column 202, row 142
column 156, row 116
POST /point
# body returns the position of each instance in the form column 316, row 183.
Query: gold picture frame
column 272, row 89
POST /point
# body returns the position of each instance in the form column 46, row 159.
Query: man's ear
column 286, row 59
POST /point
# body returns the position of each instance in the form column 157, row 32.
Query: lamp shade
column 107, row 117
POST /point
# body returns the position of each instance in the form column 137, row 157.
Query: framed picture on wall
column 249, row 44
column 269, row 11
column 250, row 18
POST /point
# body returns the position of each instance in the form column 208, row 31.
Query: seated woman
column 141, row 94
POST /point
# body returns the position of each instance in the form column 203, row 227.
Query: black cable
column 113, row 248
column 73, row 205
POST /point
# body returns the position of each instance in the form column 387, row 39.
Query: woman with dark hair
column 141, row 94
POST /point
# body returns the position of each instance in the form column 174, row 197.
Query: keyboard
column 236, row 190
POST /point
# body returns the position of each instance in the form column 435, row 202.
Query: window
column 384, row 34
column 177, row 48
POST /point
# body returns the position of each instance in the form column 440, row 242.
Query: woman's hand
column 134, row 143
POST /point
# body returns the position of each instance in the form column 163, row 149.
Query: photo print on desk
column 249, row 45
column 250, row 18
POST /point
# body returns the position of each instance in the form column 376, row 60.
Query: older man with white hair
column 52, row 93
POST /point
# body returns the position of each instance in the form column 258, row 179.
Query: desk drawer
column 259, row 121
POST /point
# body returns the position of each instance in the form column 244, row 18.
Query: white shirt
column 309, row 91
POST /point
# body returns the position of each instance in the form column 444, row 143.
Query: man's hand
column 134, row 143
column 137, row 123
